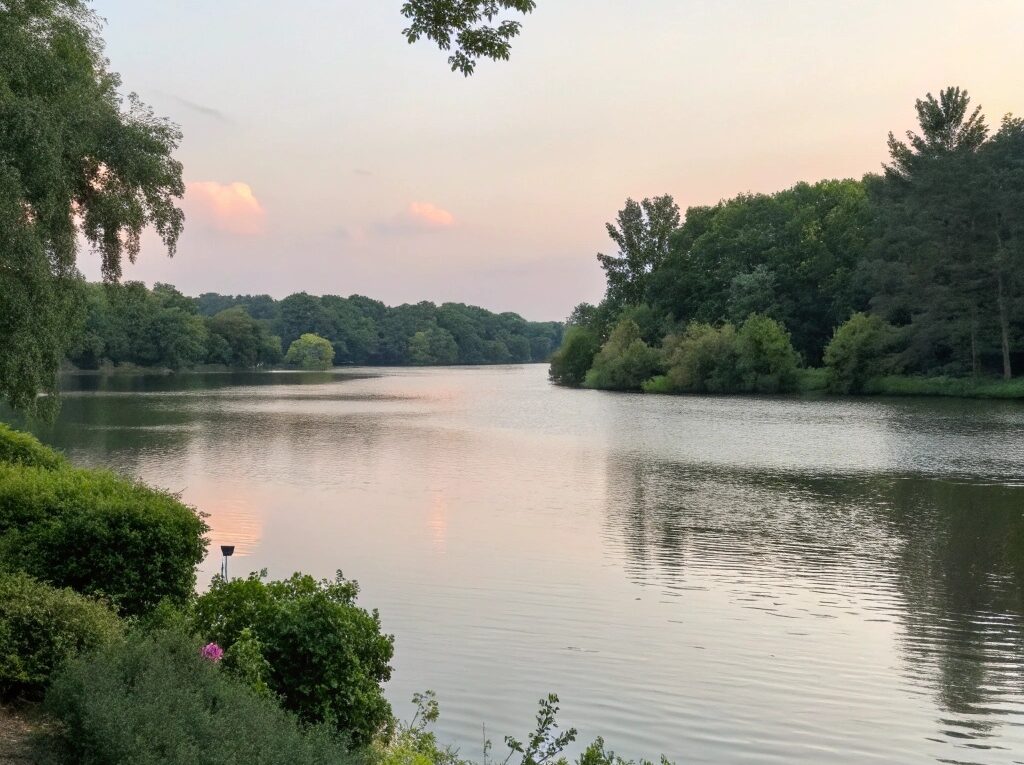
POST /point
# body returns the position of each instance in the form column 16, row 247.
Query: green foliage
column 596, row 754
column 240, row 341
column 571, row 362
column 703, row 359
column 433, row 346
column 959, row 387
column 625, row 362
column 792, row 256
column 99, row 534
column 857, row 352
column 757, row 358
column 310, row 352
column 41, row 628
column 813, row 380
column 765, row 359
column 641, row 232
column 128, row 324
column 467, row 25
column 77, row 161
column 327, row 657
column 153, row 699
column 546, row 742
column 18, row 448
column 244, row 658
column 413, row 743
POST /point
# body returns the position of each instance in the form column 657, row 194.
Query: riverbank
column 815, row 381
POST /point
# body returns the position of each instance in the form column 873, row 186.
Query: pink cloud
column 431, row 215
column 230, row 207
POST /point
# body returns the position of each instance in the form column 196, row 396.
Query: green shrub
column 310, row 352
column 154, row 699
column 813, row 379
column 658, row 384
column 327, row 657
column 413, row 743
column 857, row 353
column 625, row 362
column 41, row 628
column 766, row 360
column 572, row 360
column 20, row 448
column 703, row 359
column 100, row 535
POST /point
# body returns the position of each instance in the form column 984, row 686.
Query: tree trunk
column 1004, row 321
column 975, row 366
column 1004, row 328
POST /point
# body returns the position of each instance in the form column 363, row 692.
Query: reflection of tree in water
column 937, row 556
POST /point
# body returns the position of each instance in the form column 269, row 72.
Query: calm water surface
column 726, row 580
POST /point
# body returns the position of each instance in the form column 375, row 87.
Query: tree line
column 128, row 323
column 913, row 271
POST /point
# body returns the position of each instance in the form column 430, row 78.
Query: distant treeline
column 916, row 271
column 160, row 327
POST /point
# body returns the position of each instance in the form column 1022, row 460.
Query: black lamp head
column 227, row 550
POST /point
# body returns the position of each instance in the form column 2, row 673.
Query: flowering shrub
column 322, row 655
column 212, row 652
column 156, row 699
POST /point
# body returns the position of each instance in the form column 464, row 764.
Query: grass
column 959, row 387
column 815, row 380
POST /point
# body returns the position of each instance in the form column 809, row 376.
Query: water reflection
column 931, row 555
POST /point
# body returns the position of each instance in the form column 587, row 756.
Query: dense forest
column 160, row 327
column 914, row 272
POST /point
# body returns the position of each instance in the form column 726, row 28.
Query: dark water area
column 721, row 579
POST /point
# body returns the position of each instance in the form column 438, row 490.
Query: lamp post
column 227, row 551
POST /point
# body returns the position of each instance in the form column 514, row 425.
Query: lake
column 722, row 579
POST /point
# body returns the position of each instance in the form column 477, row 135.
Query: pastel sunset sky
column 323, row 153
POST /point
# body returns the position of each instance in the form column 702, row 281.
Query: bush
column 100, row 535
column 327, row 657
column 19, row 448
column 857, row 353
column 703, row 359
column 413, row 743
column 41, row 628
column 766, row 360
column 570, row 363
column 625, row 362
column 310, row 352
column 154, row 699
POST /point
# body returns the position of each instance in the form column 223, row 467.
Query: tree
column 1003, row 164
column 244, row 342
column 766, row 361
column 571, row 362
column 76, row 160
column 857, row 352
column 641, row 232
column 468, row 26
column 310, row 352
column 939, row 195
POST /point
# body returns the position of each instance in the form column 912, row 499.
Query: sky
column 322, row 153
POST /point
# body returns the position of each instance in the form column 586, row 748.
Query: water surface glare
column 725, row 580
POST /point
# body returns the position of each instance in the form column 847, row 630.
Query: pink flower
column 212, row 652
